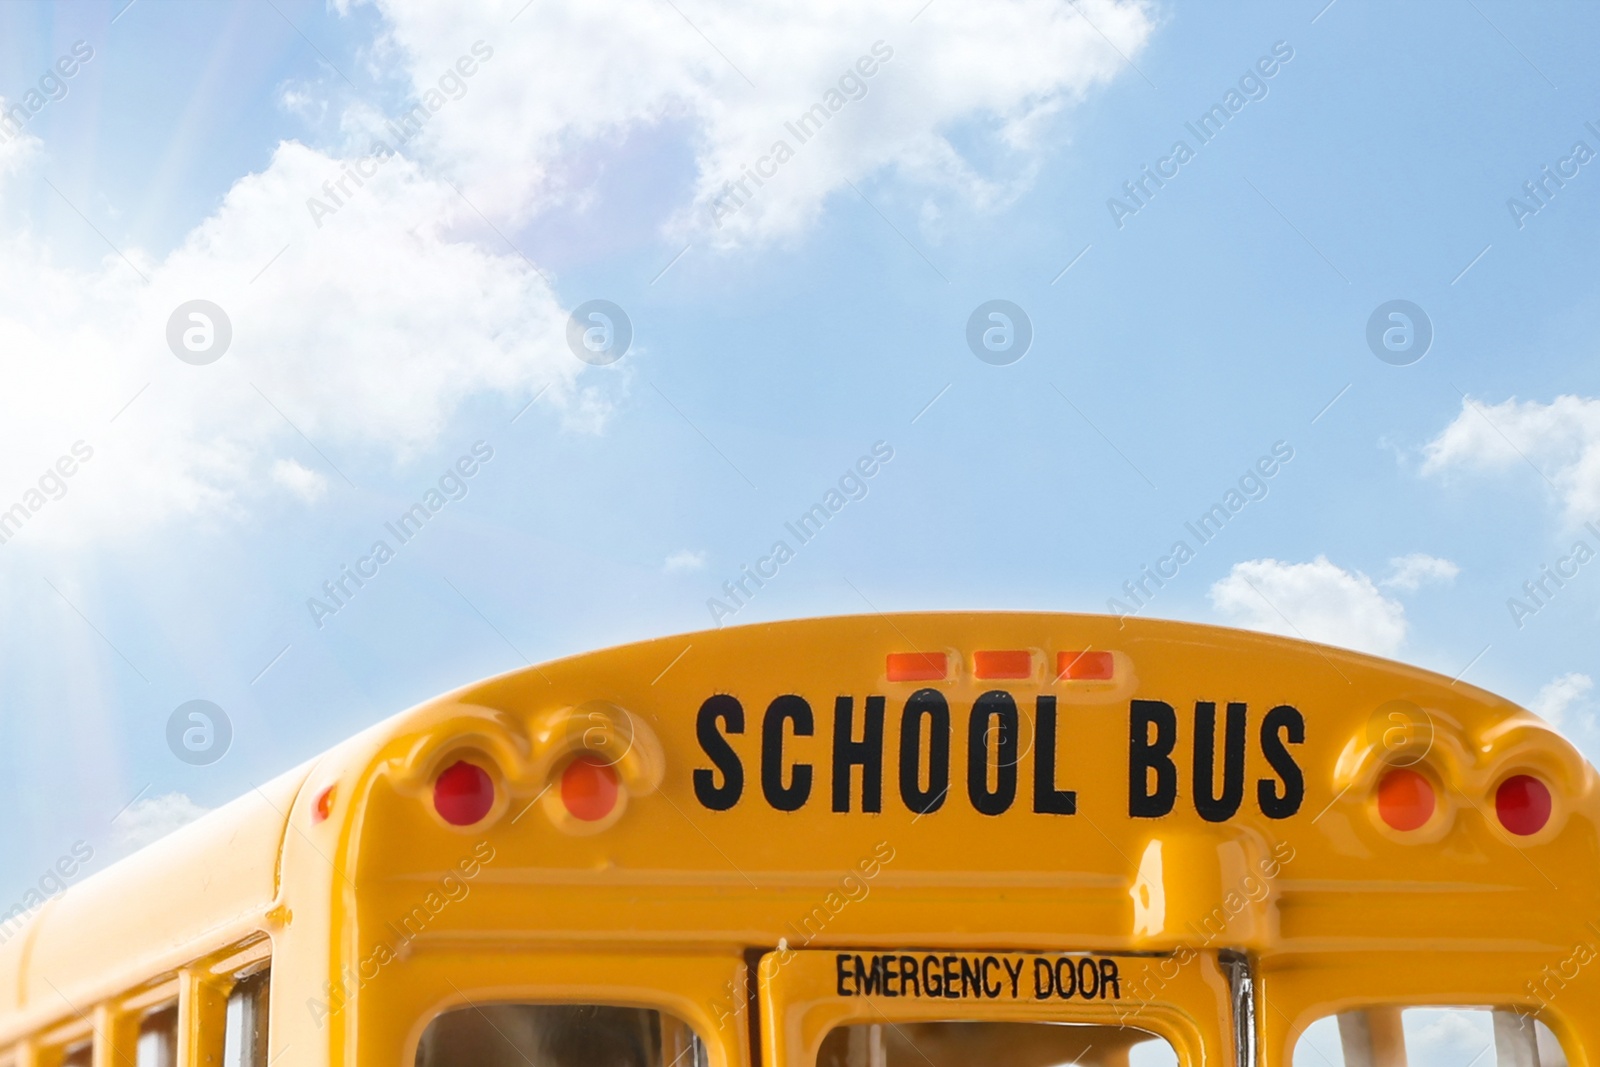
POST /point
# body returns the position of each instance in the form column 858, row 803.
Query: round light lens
column 1523, row 804
column 1405, row 799
column 463, row 793
column 589, row 789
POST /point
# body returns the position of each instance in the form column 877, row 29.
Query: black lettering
column 994, row 705
column 841, row 964
column 723, row 758
column 885, row 965
column 1275, row 804
column 1066, row 977
column 1110, row 980
column 873, row 976
column 950, row 978
column 930, row 976
column 1087, row 973
column 908, row 973
column 1043, row 979
column 866, row 754
column 785, row 709
column 1147, row 754
column 1214, row 808
column 971, row 987
column 1047, row 799
column 1014, row 974
column 989, row 962
column 926, row 709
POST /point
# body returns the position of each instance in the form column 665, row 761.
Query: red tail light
column 1523, row 804
column 463, row 793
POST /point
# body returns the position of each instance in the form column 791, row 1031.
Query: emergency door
column 932, row 1008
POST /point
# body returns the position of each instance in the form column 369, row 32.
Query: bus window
column 558, row 1035
column 158, row 1038
column 245, row 1036
column 81, row 1055
column 981, row 1044
column 1429, row 1037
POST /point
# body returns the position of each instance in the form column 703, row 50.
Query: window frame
column 694, row 988
column 259, row 969
column 667, row 1059
column 1388, row 1036
column 168, row 1007
column 1296, row 993
column 1191, row 1011
column 198, row 992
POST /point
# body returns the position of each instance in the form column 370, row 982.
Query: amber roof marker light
column 1085, row 666
column 1003, row 665
column 322, row 807
column 917, row 666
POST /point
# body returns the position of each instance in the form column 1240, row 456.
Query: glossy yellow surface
column 382, row 915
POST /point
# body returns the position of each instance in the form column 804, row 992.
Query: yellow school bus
column 882, row 841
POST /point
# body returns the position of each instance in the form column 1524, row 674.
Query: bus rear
column 943, row 839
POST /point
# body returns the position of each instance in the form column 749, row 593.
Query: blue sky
column 581, row 161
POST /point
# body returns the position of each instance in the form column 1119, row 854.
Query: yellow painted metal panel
column 779, row 788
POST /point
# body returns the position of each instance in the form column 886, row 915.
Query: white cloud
column 1559, row 696
column 1319, row 601
column 300, row 100
column 367, row 329
column 152, row 818
column 1561, row 438
column 1412, row 572
column 1454, row 1036
column 17, row 149
column 304, row 483
column 366, row 334
column 685, row 560
column 570, row 77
